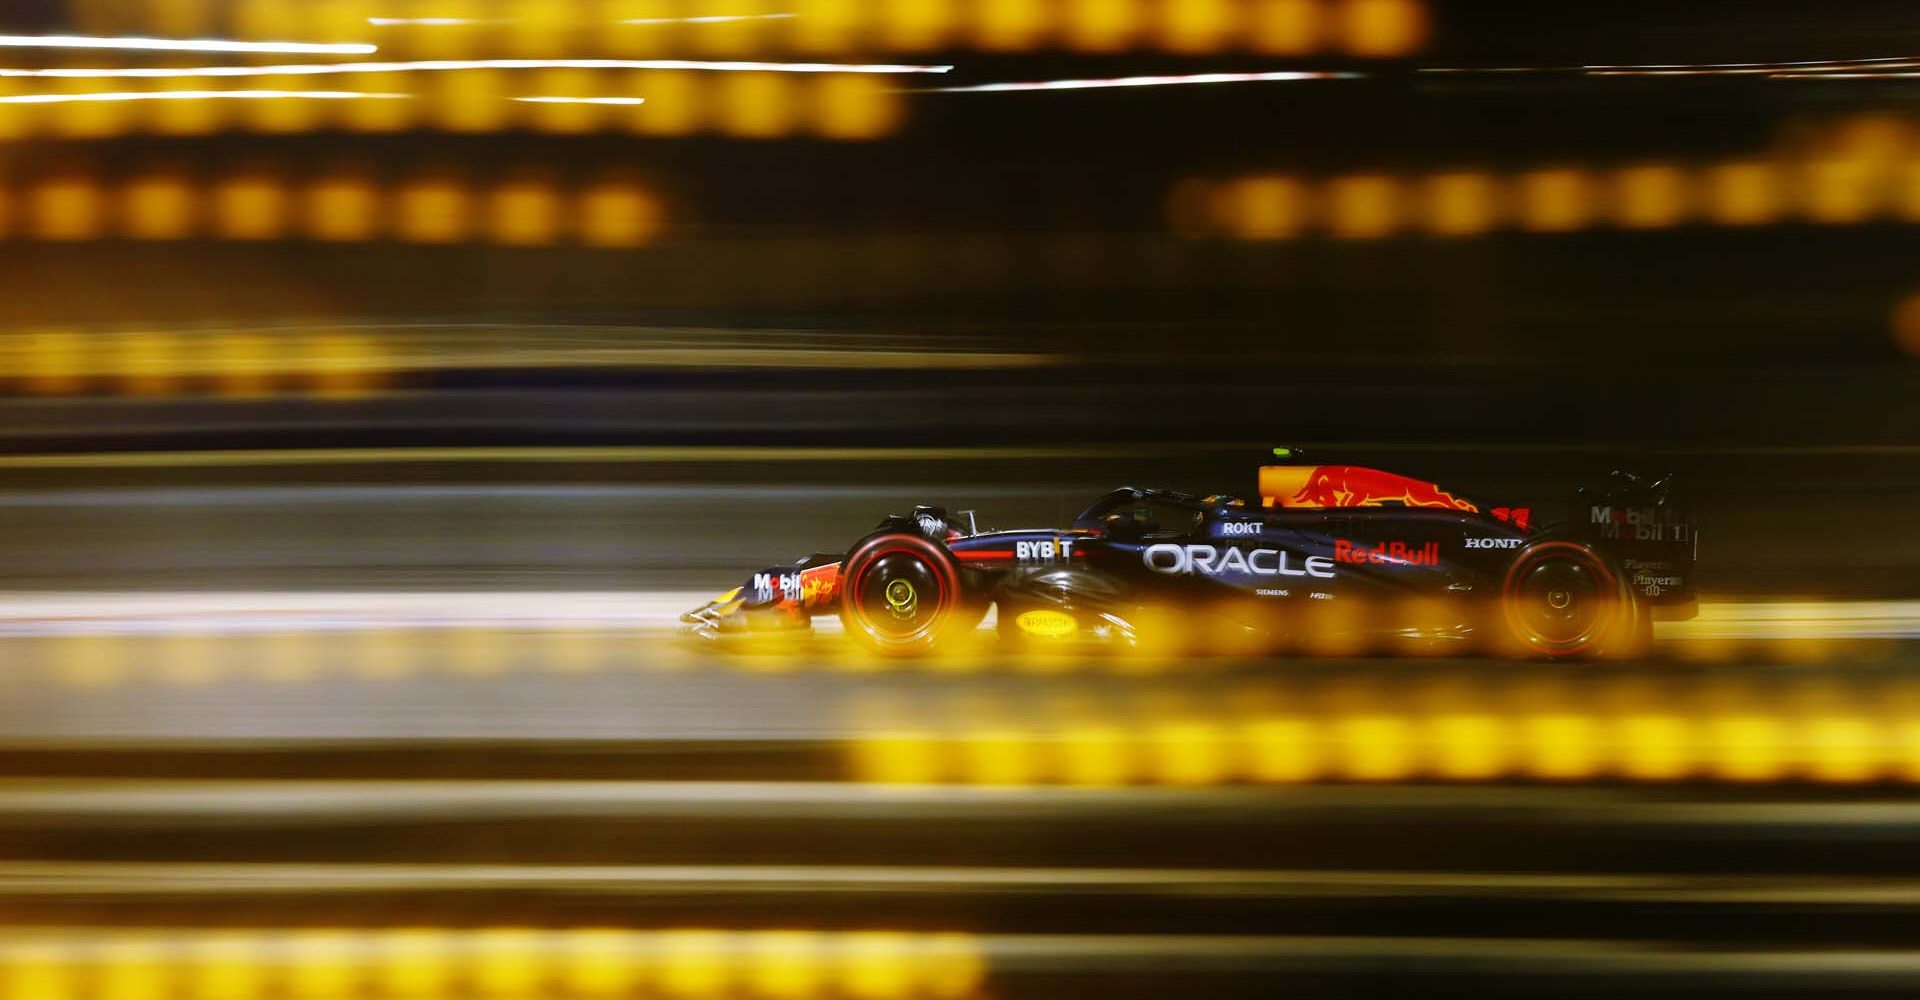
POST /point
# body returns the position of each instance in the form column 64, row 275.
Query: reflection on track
column 1164, row 723
column 90, row 640
column 419, row 796
column 503, row 961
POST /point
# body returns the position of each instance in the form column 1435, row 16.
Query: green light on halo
column 1283, row 452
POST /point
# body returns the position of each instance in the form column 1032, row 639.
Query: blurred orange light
column 16, row 120
column 1382, row 28
column 856, row 106
column 54, row 362
column 136, row 43
column 249, row 206
column 536, row 29
column 1008, row 25
column 1462, row 203
column 1869, row 138
column 285, row 114
column 342, row 207
column 85, row 119
column 1470, row 745
column 1000, row 755
column 740, row 28
column 694, row 963
column 133, row 968
column 914, row 25
column 1562, row 744
column 523, row 213
column 569, row 117
column 617, row 215
column 1197, row 26
column 1189, row 751
column 825, row 26
column 1262, row 208
column 1906, row 324
column 243, row 369
column 1744, row 744
column 756, row 105
column 1286, row 27
column 183, row 18
column 1363, row 206
column 433, row 210
column 148, row 362
column 158, row 207
column 1375, row 745
column 1743, row 194
column 381, row 115
column 461, row 65
column 1843, row 191
column 348, row 366
column 1100, row 25
column 265, row 19
column 1650, row 196
column 1555, row 200
column 438, row 29
column 1655, row 743
column 1284, row 748
column 189, row 116
column 337, row 20
column 472, row 100
column 676, row 102
column 634, row 28
column 66, row 208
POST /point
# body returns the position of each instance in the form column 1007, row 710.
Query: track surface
column 247, row 725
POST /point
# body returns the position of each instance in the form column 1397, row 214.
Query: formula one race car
column 1332, row 556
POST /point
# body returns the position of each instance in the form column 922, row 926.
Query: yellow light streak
column 193, row 95
column 134, row 44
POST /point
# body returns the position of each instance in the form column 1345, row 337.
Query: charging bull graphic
column 1354, row 486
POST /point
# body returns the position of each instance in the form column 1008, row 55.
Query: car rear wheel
column 1560, row 599
column 900, row 594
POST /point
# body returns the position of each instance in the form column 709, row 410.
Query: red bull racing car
column 1326, row 555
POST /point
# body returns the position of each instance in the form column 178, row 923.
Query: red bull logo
column 1352, row 486
column 819, row 586
column 1387, row 553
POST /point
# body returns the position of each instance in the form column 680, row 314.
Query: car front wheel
column 900, row 594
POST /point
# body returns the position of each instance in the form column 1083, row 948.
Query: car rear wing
column 1645, row 530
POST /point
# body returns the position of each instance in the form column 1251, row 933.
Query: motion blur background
column 382, row 377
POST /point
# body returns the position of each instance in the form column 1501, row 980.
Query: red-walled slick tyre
column 900, row 594
column 1561, row 599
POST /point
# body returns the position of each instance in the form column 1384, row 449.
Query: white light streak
column 1801, row 64
column 583, row 100
column 1842, row 76
column 184, row 45
column 1803, row 69
column 1781, row 70
column 443, row 65
column 1141, row 81
column 189, row 95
